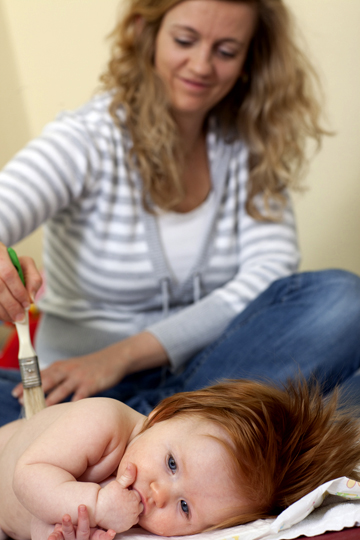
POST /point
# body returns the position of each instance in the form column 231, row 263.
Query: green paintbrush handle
column 15, row 261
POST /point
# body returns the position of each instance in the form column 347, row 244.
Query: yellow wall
column 328, row 214
column 51, row 52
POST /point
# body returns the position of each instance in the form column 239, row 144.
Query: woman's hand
column 82, row 377
column 67, row 531
column 88, row 375
column 14, row 297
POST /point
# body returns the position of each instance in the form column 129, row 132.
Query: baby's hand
column 67, row 531
column 119, row 507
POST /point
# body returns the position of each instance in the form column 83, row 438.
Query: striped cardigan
column 104, row 263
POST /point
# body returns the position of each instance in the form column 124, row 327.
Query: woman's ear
column 139, row 23
column 244, row 77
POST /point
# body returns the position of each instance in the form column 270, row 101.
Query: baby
column 212, row 458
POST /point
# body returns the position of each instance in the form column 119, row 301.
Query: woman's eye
column 171, row 464
column 184, row 507
column 227, row 54
column 183, row 42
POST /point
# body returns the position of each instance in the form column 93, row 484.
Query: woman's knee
column 344, row 287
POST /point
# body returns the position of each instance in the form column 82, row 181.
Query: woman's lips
column 195, row 84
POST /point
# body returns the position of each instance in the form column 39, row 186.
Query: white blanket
column 330, row 507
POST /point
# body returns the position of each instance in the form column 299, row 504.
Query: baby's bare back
column 84, row 441
column 14, row 439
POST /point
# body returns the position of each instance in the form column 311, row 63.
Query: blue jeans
column 308, row 323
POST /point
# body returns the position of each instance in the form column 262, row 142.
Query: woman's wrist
column 139, row 352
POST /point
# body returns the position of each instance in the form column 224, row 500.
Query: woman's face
column 200, row 50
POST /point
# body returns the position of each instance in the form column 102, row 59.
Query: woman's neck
column 196, row 173
column 191, row 131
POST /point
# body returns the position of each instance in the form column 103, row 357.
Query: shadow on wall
column 14, row 125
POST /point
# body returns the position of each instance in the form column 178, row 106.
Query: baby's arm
column 85, row 443
column 67, row 531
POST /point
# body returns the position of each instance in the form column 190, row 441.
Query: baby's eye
column 171, row 463
column 184, row 507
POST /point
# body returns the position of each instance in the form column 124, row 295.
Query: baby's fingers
column 68, row 529
column 128, row 477
column 99, row 534
column 56, row 534
column 83, row 526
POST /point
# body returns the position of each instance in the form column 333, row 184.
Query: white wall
column 51, row 52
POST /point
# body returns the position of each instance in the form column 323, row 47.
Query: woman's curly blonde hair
column 273, row 106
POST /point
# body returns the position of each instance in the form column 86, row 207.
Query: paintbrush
column 34, row 399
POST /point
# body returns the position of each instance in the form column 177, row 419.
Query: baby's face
column 184, row 477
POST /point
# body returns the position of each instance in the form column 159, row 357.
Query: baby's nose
column 160, row 494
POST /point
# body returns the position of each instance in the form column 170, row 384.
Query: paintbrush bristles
column 34, row 401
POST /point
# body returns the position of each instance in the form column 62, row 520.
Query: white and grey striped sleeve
column 43, row 178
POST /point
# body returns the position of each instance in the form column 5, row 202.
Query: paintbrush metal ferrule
column 28, row 361
column 30, row 372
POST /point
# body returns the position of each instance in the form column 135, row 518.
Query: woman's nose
column 160, row 494
column 201, row 62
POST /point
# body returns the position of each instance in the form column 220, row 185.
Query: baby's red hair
column 286, row 441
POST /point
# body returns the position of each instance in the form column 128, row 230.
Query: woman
column 170, row 246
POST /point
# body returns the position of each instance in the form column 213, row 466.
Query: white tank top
column 181, row 236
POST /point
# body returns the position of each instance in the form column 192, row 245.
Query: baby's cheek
column 160, row 525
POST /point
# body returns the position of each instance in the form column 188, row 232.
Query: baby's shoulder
column 7, row 431
column 108, row 411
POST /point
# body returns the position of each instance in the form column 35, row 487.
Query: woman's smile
column 195, row 85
